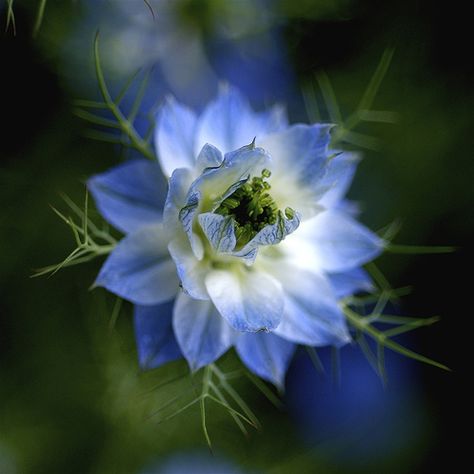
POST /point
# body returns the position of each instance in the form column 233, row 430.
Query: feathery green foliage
column 364, row 326
column 91, row 241
column 345, row 132
column 38, row 19
column 39, row 16
column 10, row 17
column 121, row 127
column 369, row 325
column 215, row 387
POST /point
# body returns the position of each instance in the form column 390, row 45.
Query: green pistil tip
column 252, row 208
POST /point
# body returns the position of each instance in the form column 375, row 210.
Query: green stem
column 202, row 403
column 39, row 17
column 360, row 323
column 418, row 249
column 125, row 125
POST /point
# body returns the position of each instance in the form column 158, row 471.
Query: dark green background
column 71, row 397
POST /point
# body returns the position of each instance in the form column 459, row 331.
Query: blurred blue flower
column 360, row 421
column 191, row 45
column 197, row 463
column 253, row 242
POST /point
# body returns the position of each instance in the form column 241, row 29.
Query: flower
column 192, row 461
column 253, row 246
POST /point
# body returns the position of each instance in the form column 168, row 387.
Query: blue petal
column 229, row 122
column 219, row 230
column 187, row 215
column 178, row 188
column 332, row 242
column 249, row 300
column 302, row 149
column 338, row 178
column 201, row 332
column 312, row 315
column 209, row 157
column 299, row 164
column 174, row 137
column 191, row 271
column 266, row 355
column 154, row 334
column 140, row 269
column 217, row 183
column 351, row 282
column 131, row 195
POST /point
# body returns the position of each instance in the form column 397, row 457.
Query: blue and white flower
column 252, row 248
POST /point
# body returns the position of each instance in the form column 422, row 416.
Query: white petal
column 248, row 299
column 312, row 315
column 331, row 242
column 219, row 230
column 230, row 123
column 178, row 187
column 299, row 164
column 174, row 137
column 190, row 270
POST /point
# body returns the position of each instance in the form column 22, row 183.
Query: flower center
column 252, row 208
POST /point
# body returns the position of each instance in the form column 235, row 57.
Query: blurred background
column 71, row 396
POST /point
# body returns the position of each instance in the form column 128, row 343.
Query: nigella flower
column 253, row 246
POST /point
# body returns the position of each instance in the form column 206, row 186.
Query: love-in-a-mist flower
column 253, row 246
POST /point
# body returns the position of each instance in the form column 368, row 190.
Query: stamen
column 252, row 208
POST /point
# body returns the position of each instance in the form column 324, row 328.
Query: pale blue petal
column 140, row 269
column 312, row 315
column 174, row 137
column 156, row 343
column 229, row 122
column 130, row 195
column 332, row 242
column 209, row 157
column 300, row 149
column 249, row 300
column 202, row 334
column 190, row 270
column 299, row 165
column 187, row 216
column 178, row 187
column 237, row 166
column 350, row 208
column 351, row 282
column 266, row 355
column 219, row 230
column 338, row 178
